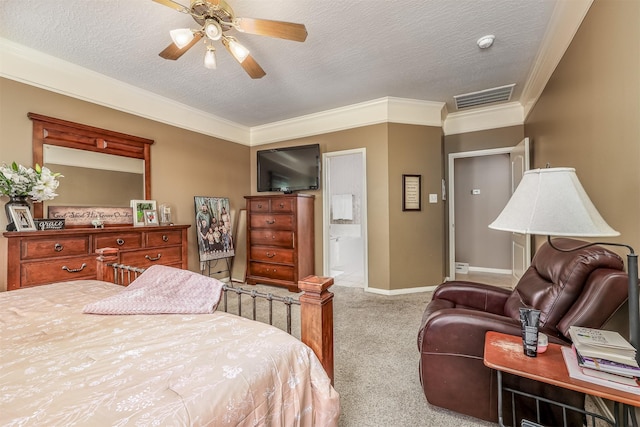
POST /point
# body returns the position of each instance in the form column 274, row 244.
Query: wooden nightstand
column 504, row 354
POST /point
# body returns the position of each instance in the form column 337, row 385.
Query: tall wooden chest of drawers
column 280, row 239
column 42, row 257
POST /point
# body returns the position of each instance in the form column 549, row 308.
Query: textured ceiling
column 356, row 50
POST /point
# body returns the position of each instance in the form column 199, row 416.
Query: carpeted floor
column 376, row 358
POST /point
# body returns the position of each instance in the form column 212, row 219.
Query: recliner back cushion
column 555, row 279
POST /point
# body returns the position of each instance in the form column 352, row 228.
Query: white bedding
column 60, row 367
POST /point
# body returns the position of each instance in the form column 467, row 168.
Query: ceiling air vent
column 482, row 97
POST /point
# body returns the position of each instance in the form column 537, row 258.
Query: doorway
column 345, row 217
column 479, row 185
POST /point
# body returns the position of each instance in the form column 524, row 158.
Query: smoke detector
column 486, row 42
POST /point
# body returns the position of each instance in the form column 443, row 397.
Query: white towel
column 342, row 205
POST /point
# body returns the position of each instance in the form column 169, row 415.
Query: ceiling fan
column 216, row 19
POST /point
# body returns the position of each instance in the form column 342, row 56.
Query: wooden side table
column 504, row 354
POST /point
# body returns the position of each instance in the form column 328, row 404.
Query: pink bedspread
column 60, row 367
column 162, row 290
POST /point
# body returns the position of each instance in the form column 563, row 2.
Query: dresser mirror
column 94, row 179
column 101, row 168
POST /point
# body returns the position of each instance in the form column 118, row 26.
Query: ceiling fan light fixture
column 210, row 58
column 181, row 37
column 237, row 50
column 212, row 29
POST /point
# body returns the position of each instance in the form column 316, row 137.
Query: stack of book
column 603, row 357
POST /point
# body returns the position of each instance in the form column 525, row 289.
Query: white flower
column 17, row 180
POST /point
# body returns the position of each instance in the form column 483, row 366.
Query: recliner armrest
column 479, row 296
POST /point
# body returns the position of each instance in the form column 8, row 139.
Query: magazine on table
column 607, row 365
column 576, row 372
column 601, row 344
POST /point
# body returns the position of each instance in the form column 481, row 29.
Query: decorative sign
column 411, row 193
column 49, row 224
column 82, row 216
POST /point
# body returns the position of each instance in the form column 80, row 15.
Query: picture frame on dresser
column 139, row 206
column 150, row 217
column 21, row 218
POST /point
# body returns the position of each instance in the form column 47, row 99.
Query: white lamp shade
column 238, row 51
column 210, row 59
column 552, row 202
column 181, row 37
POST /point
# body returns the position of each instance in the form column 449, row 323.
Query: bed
column 61, row 366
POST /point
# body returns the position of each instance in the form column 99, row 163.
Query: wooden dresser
column 280, row 239
column 41, row 257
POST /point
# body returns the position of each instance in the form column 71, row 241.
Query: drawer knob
column 271, row 254
column 153, row 259
column 74, row 270
column 281, row 205
column 165, row 238
column 58, row 247
column 120, row 242
column 271, row 221
column 259, row 205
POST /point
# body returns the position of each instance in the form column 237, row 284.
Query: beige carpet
column 376, row 358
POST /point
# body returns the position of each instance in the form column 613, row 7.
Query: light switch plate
column 433, row 198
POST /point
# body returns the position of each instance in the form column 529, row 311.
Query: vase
column 14, row 201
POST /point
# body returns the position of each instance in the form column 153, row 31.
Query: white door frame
column 326, row 211
column 452, row 209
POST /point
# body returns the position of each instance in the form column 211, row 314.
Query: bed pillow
column 163, row 290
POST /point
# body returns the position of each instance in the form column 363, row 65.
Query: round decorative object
column 14, row 201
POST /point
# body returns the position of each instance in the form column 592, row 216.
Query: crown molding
column 381, row 110
column 565, row 21
column 498, row 116
column 35, row 68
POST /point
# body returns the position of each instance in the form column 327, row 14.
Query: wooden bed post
column 316, row 318
column 106, row 256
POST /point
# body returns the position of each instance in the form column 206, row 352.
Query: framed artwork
column 150, row 217
column 411, row 192
column 21, row 217
column 213, row 227
column 139, row 206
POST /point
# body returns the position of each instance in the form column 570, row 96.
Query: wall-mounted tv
column 289, row 169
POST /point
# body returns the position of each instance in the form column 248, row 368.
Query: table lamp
column 552, row 202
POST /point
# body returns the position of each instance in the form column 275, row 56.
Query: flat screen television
column 289, row 169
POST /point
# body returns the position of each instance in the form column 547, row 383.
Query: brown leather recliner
column 582, row 288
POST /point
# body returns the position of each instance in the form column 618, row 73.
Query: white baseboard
column 490, row 270
column 390, row 292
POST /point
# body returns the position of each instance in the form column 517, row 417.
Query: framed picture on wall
column 411, row 192
column 139, row 206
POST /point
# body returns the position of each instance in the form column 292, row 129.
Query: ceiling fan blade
column 173, row 52
column 253, row 68
column 173, row 5
column 279, row 29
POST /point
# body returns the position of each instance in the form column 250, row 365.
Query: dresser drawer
column 259, row 205
column 272, row 254
column 75, row 268
column 271, row 271
column 147, row 257
column 55, row 247
column 163, row 238
column 282, row 205
column 283, row 239
column 118, row 240
column 282, row 222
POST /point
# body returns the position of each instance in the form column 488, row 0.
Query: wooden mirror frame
column 62, row 133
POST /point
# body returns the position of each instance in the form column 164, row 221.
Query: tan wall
column 588, row 116
column 416, row 237
column 184, row 163
column 374, row 140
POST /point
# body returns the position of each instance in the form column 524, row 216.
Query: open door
column 520, row 243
